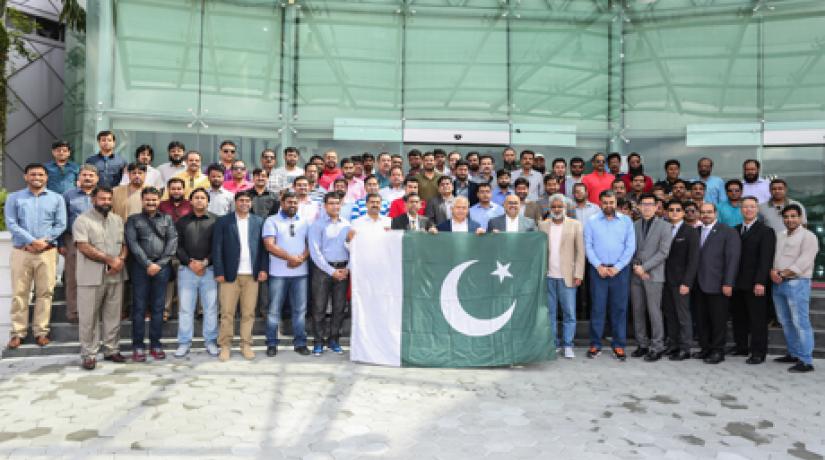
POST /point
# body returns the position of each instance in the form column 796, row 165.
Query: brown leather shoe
column 89, row 364
column 42, row 340
column 14, row 342
column 115, row 358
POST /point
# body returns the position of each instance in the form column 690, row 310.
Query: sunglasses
column 227, row 151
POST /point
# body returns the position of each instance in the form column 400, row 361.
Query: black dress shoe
column 653, row 356
column 786, row 359
column 639, row 352
column 736, row 351
column 680, row 356
column 715, row 357
column 89, row 364
column 303, row 351
column 701, row 354
column 754, row 359
column 800, row 367
column 271, row 350
column 670, row 351
column 115, row 358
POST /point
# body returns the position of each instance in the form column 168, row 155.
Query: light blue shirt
column 609, row 241
column 499, row 196
column 583, row 214
column 77, row 202
column 290, row 234
column 327, row 243
column 62, row 179
column 32, row 217
column 714, row 189
column 483, row 215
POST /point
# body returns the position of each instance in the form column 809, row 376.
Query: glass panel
column 242, row 60
column 682, row 70
column 349, row 62
column 794, row 65
column 559, row 65
column 156, row 56
column 456, row 64
column 803, row 168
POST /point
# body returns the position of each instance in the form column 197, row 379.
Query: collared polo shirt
column 290, row 234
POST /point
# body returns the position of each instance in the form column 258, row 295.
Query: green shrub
column 3, row 195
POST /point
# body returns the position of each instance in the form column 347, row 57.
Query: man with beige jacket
column 565, row 267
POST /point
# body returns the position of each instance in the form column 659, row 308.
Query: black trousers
column 678, row 320
column 750, row 321
column 712, row 321
column 324, row 287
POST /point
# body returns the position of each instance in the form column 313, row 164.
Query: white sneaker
column 212, row 348
column 568, row 353
column 183, row 350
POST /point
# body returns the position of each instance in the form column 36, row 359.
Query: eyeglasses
column 228, row 151
column 676, row 210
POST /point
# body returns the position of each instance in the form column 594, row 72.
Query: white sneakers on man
column 568, row 353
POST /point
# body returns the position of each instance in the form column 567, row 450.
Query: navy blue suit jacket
column 447, row 226
column 226, row 247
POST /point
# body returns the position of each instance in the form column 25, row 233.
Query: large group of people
column 682, row 256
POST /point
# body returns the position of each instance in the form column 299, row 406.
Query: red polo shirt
column 597, row 183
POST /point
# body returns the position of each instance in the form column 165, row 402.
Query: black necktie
column 645, row 227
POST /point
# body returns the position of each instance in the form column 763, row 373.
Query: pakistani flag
column 450, row 300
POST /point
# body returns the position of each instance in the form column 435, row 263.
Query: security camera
column 457, row 137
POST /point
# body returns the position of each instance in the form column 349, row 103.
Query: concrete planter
column 5, row 288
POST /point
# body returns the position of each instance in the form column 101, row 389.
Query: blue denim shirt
column 109, row 169
column 77, row 203
column 714, row 189
column 62, row 179
column 32, row 217
column 609, row 241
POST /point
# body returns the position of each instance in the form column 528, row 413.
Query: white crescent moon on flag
column 455, row 314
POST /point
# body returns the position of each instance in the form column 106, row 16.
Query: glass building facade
column 730, row 79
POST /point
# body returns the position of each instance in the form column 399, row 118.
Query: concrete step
column 64, row 338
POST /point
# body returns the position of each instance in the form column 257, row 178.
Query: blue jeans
column 147, row 291
column 791, row 299
column 278, row 286
column 610, row 292
column 559, row 293
column 190, row 286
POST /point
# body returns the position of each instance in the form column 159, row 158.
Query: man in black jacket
column 411, row 220
column 680, row 273
column 749, row 306
column 718, row 266
column 152, row 241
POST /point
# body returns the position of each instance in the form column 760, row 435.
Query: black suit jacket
column 758, row 246
column 683, row 258
column 472, row 191
column 718, row 259
column 447, row 226
column 435, row 212
column 402, row 222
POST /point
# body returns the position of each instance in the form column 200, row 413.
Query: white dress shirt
column 512, row 224
column 554, row 264
column 459, row 226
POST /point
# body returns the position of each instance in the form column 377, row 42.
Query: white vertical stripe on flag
column 377, row 297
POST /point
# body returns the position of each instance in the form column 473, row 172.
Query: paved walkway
column 322, row 408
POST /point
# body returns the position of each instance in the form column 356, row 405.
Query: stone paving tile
column 292, row 407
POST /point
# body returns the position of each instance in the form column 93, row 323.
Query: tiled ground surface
column 323, row 408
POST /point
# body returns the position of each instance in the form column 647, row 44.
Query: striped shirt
column 359, row 208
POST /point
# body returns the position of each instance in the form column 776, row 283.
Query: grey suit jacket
column 435, row 211
column 718, row 259
column 525, row 224
column 652, row 250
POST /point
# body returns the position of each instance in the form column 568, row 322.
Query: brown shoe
column 89, row 364
column 224, row 354
column 14, row 342
column 247, row 353
column 42, row 340
column 115, row 358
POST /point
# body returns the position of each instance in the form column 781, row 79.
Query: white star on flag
column 502, row 271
